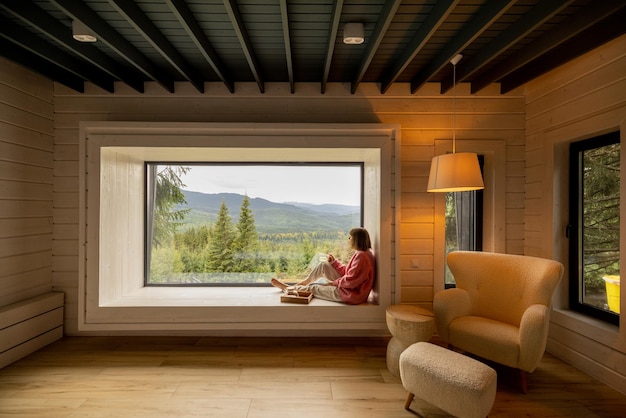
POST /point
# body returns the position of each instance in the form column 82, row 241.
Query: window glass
column 242, row 224
column 595, row 227
column 464, row 224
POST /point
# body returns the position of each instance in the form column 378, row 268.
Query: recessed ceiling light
column 353, row 33
column 82, row 33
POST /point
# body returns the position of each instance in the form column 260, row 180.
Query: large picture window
column 115, row 160
column 240, row 224
column 595, row 227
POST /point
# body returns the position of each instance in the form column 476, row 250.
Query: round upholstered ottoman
column 455, row 383
column 408, row 324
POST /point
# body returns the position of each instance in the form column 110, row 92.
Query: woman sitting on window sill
column 337, row 282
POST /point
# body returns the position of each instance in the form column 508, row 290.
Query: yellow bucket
column 612, row 292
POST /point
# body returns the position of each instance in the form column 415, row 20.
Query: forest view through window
column 230, row 224
column 594, row 229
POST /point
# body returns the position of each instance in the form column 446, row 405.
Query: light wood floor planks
column 148, row 377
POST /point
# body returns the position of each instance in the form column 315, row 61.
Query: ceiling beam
column 485, row 17
column 26, row 39
column 332, row 39
column 138, row 19
column 599, row 34
column 569, row 28
column 437, row 15
column 244, row 40
column 42, row 66
column 284, row 15
column 521, row 28
column 31, row 14
column 77, row 10
column 195, row 32
column 385, row 18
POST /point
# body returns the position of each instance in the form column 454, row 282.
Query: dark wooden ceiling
column 292, row 41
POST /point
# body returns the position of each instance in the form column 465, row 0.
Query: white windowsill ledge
column 231, row 311
column 209, row 296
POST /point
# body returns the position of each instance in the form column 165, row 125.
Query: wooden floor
column 133, row 377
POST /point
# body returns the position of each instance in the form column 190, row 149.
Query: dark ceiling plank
column 385, row 18
column 77, row 9
column 244, row 40
column 437, row 15
column 29, row 41
column 138, row 19
column 521, row 28
column 195, row 32
column 42, row 66
column 486, row 15
column 601, row 33
column 572, row 26
column 31, row 14
column 284, row 14
column 332, row 38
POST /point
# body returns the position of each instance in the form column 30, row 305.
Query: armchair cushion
column 487, row 338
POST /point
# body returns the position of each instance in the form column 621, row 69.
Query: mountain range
column 270, row 217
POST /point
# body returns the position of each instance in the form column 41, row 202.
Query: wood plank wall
column 424, row 117
column 26, row 183
column 29, row 325
column 584, row 99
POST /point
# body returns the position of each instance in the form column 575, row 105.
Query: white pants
column 321, row 274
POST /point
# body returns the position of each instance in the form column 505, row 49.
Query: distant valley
column 270, row 217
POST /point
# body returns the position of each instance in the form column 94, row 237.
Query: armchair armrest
column 448, row 305
column 533, row 336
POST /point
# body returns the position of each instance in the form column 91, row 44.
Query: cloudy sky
column 281, row 183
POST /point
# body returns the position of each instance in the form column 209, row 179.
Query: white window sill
column 208, row 296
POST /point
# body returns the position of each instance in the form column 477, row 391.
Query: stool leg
column 409, row 399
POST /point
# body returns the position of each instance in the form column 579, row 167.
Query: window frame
column 116, row 306
column 574, row 231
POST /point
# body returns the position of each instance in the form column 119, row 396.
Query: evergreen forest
column 192, row 245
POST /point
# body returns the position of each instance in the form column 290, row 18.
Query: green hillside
column 270, row 217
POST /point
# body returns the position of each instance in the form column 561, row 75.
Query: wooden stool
column 408, row 324
column 455, row 383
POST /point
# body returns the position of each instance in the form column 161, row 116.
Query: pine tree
column 246, row 244
column 192, row 244
column 223, row 235
column 601, row 213
column 167, row 195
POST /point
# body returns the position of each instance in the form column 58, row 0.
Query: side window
column 594, row 228
column 464, row 223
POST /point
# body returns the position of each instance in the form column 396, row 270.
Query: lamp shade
column 457, row 172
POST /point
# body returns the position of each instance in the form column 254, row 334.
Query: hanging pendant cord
column 453, row 108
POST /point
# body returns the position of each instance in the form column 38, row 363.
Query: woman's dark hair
column 361, row 239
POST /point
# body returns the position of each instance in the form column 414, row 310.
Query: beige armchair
column 500, row 307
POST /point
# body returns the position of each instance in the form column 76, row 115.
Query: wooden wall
column 581, row 100
column 424, row 117
column 26, row 183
